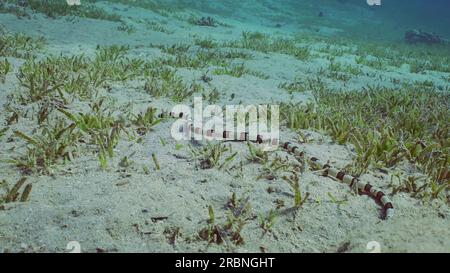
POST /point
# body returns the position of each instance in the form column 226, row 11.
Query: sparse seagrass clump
column 213, row 155
column 230, row 231
column 267, row 222
column 145, row 121
column 299, row 198
column 157, row 26
column 264, row 43
column 156, row 162
column 164, row 82
column 13, row 194
column 204, row 21
column 19, row 45
column 206, row 43
column 126, row 27
column 51, row 145
column 101, row 128
column 5, row 68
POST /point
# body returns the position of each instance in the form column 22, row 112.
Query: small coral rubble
column 207, row 22
column 418, row 36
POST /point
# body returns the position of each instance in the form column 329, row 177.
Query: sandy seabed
column 163, row 210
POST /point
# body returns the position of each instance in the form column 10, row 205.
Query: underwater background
column 88, row 161
column 356, row 18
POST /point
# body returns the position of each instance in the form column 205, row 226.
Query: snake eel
column 387, row 210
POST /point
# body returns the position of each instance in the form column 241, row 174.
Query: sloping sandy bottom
column 129, row 210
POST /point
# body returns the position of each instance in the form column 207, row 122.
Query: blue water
column 388, row 21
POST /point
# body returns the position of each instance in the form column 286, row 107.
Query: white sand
column 112, row 210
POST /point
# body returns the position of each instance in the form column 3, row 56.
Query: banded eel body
column 328, row 170
column 353, row 182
